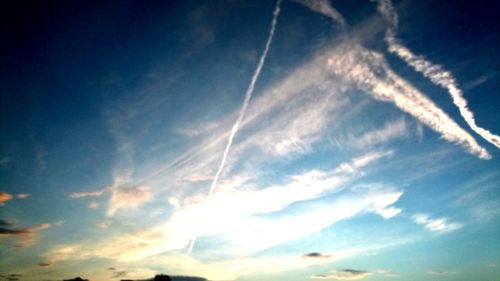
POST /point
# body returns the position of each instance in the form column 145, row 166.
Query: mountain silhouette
column 164, row 277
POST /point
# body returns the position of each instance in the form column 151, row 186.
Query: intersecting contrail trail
column 248, row 96
column 435, row 73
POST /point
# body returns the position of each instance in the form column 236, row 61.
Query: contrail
column 435, row 73
column 248, row 96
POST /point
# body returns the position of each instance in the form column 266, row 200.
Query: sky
column 250, row 140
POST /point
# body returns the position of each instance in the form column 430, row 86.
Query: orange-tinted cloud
column 4, row 197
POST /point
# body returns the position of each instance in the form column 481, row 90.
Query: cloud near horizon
column 316, row 255
column 343, row 274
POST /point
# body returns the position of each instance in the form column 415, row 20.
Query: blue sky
column 250, row 140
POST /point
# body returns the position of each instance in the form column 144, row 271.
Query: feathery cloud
column 87, row 194
column 391, row 130
column 128, row 197
column 439, row 225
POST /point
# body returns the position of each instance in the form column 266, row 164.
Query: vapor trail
column 435, row 73
column 248, row 96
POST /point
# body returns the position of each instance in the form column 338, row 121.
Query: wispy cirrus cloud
column 437, row 225
column 97, row 193
column 436, row 73
column 391, row 130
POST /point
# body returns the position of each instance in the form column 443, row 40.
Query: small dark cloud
column 44, row 264
column 118, row 274
column 11, row 277
column 76, row 279
column 111, row 269
column 26, row 235
column 343, row 274
column 12, row 231
column 6, row 223
column 316, row 255
column 8, row 228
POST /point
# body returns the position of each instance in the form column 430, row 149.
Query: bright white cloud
column 230, row 214
column 438, row 225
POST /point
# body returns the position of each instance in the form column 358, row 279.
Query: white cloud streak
column 87, row 194
column 248, row 96
column 391, row 130
column 436, row 73
column 439, row 225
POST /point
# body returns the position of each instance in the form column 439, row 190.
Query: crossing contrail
column 436, row 73
column 248, row 96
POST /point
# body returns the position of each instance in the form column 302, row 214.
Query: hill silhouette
column 163, row 277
